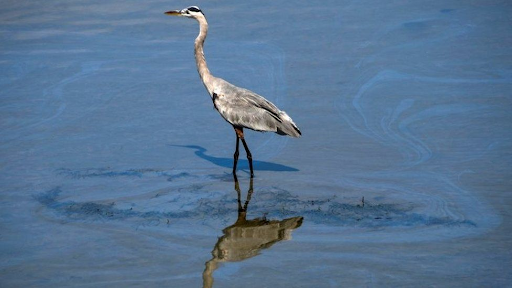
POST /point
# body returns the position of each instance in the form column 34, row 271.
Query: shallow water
column 116, row 170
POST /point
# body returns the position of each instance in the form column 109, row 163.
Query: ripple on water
column 391, row 213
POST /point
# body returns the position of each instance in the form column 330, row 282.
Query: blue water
column 116, row 169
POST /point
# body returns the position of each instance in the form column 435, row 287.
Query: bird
column 240, row 107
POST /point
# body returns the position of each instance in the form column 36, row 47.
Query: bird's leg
column 235, row 156
column 240, row 136
column 249, row 156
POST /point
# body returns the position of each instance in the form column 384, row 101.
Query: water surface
column 116, row 169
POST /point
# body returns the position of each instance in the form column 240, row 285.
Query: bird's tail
column 287, row 126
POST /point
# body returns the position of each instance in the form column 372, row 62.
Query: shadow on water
column 242, row 164
column 246, row 238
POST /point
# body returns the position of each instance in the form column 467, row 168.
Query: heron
column 240, row 107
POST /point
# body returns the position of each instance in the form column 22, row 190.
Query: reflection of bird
column 246, row 238
column 240, row 107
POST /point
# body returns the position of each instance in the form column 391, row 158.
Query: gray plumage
column 240, row 107
column 244, row 108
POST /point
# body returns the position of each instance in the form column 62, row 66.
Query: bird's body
column 246, row 109
column 240, row 107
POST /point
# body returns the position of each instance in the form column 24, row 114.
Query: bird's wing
column 259, row 102
column 244, row 108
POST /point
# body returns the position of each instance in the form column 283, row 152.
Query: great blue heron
column 238, row 106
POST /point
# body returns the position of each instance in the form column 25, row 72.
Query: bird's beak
column 173, row 13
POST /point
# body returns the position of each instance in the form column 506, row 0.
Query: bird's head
column 190, row 12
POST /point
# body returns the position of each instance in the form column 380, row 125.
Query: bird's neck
column 202, row 68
